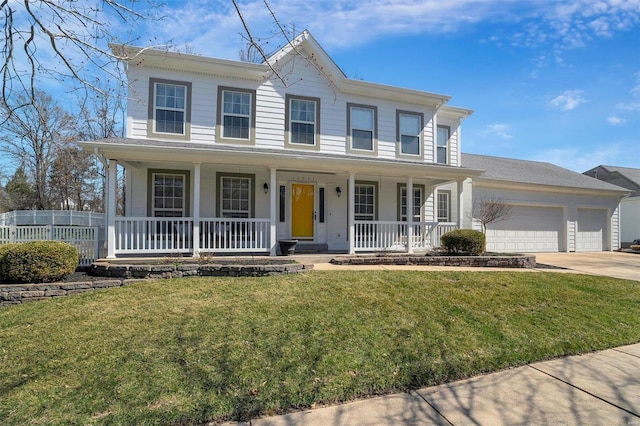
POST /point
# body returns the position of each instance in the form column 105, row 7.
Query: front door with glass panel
column 302, row 211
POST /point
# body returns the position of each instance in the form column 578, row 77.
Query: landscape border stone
column 123, row 275
column 496, row 261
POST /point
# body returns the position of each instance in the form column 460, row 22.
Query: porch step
column 303, row 247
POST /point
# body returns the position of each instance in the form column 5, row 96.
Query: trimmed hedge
column 464, row 241
column 38, row 261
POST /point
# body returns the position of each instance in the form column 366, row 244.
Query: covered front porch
column 214, row 200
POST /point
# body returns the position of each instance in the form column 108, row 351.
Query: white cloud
column 568, row 100
column 580, row 159
column 502, row 131
column 632, row 106
column 615, row 121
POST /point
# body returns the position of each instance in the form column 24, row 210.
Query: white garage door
column 592, row 229
column 528, row 229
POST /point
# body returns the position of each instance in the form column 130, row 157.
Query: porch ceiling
column 142, row 150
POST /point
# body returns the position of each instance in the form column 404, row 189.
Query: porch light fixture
column 338, row 191
column 265, row 187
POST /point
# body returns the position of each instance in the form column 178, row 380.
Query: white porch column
column 111, row 208
column 460, row 206
column 272, row 212
column 409, row 214
column 352, row 206
column 196, row 209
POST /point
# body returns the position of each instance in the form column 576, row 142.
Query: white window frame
column 361, row 216
column 181, row 210
column 373, row 129
column 292, row 121
column 402, row 114
column 442, row 145
column 224, row 114
column 230, row 212
column 447, row 205
column 416, row 205
column 165, row 108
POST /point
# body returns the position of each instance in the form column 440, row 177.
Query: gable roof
column 149, row 57
column 512, row 171
column 622, row 176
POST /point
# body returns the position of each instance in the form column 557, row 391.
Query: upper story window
column 362, row 126
column 302, row 121
column 236, row 114
column 442, row 155
column 169, row 109
column 409, row 128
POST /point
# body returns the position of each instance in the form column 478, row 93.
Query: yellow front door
column 302, row 210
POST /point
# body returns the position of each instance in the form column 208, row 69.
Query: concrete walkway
column 593, row 389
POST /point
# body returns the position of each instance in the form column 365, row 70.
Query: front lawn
column 213, row 349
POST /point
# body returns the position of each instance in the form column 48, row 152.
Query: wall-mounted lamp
column 265, row 187
column 338, row 191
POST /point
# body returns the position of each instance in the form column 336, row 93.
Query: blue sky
column 555, row 81
column 549, row 80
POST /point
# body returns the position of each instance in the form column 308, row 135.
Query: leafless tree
column 67, row 40
column 490, row 209
column 73, row 179
column 33, row 134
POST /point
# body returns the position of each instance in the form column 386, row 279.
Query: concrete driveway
column 611, row 264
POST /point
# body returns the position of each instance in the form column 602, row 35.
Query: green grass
column 195, row 350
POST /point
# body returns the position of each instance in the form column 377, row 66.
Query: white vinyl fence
column 82, row 230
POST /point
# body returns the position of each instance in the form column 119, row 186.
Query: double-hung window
column 169, row 195
column 303, row 118
column 442, row 155
column 235, row 196
column 169, row 107
column 409, row 127
column 236, row 114
column 444, row 206
column 361, row 121
column 365, row 202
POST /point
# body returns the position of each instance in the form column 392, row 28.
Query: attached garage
column 554, row 209
column 528, row 229
column 591, row 230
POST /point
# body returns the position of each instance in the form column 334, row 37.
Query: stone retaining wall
column 524, row 261
column 122, row 275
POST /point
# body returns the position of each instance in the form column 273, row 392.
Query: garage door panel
column 528, row 229
column 592, row 229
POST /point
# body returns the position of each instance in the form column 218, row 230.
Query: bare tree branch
column 489, row 209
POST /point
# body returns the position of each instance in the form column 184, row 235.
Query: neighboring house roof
column 622, row 176
column 512, row 171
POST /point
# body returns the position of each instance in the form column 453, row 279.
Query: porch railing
column 146, row 235
column 392, row 235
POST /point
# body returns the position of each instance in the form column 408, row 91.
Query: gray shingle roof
column 533, row 172
column 629, row 173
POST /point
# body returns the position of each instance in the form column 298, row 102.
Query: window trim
column 448, row 194
column 374, row 142
column 287, row 123
column 151, row 119
column 399, row 152
column 376, row 198
column 219, row 115
column 252, row 194
column 150, row 188
column 400, row 187
column 447, row 145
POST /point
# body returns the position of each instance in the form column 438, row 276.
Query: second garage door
column 592, row 229
column 528, row 229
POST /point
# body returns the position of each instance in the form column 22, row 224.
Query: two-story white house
column 229, row 156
